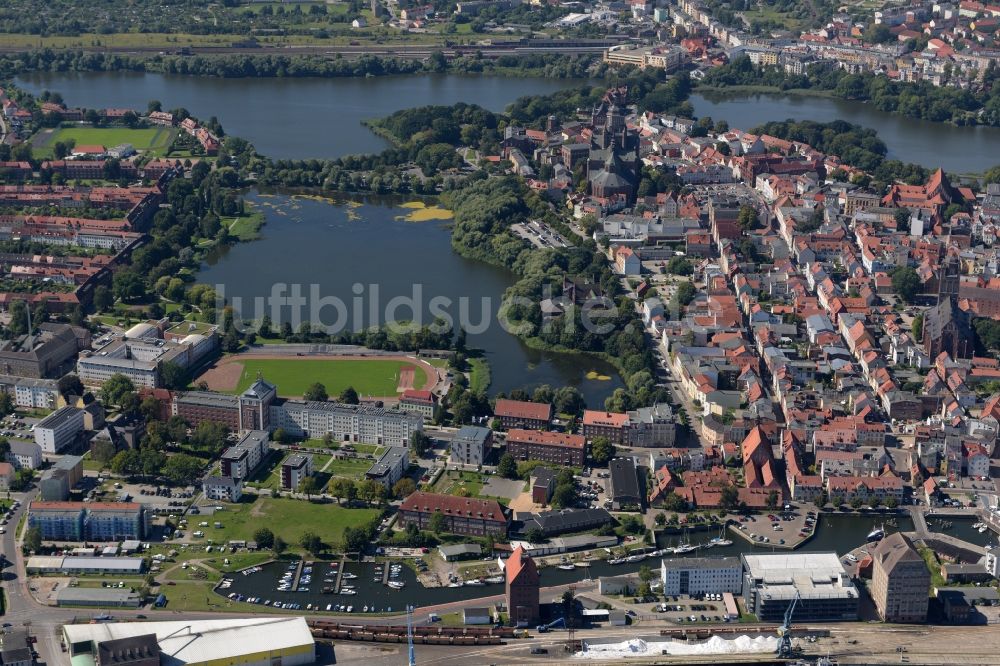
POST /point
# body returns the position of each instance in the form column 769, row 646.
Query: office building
column 522, row 588
column 771, row 582
column 59, row 429
column 900, row 580
column 471, row 445
column 294, row 469
column 552, row 447
column 390, row 466
column 701, row 575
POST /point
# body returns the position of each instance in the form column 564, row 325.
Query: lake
column 932, row 145
column 362, row 254
column 310, row 117
column 291, row 117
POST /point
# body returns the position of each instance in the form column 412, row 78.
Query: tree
column 349, row 396
column 534, row 535
column 312, row 543
column 420, row 443
column 856, row 502
column 114, row 390
column 264, row 537
column 507, row 467
column 4, row 448
column 660, row 519
column 674, row 502
column 645, row 574
column 917, row 327
column 892, row 503
column 403, row 488
column 33, row 539
column 772, row 500
column 906, row 283
column 308, row 486
column 182, row 469
column 316, row 392
column 103, row 299
column 126, row 463
column 730, row 498
column 7, row 404
column 174, row 376
column 438, row 524
column 680, row 266
column 564, row 496
column 355, row 539
column 821, row 500
column 279, row 546
column 70, row 385
column 601, row 450
column 748, row 217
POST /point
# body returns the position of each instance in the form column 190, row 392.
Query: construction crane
column 409, row 635
column 785, row 630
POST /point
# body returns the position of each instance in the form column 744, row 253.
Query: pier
column 385, row 572
column 340, row 575
column 297, row 576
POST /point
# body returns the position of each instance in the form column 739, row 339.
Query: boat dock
column 297, row 576
column 385, row 572
column 340, row 576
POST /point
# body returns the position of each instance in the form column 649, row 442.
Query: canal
column 837, row 532
column 291, row 118
column 364, row 251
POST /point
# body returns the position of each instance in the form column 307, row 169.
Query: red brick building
column 522, row 589
column 613, row 425
column 463, row 515
column 520, row 414
column 553, row 447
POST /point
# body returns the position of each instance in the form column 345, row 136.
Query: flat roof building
column 59, row 429
column 471, row 445
column 771, row 581
column 701, row 575
column 390, row 466
column 624, row 488
column 98, row 597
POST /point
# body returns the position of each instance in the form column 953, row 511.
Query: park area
column 383, row 376
column 155, row 141
column 287, row 518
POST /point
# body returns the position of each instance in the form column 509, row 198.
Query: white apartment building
column 240, row 461
column 347, row 423
column 59, row 429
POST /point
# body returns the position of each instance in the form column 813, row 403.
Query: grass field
column 348, row 468
column 469, row 484
column 155, row 141
column 293, row 376
column 288, row 518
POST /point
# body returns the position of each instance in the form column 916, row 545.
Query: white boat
column 566, row 567
column 396, row 584
column 349, row 576
column 348, row 591
column 365, row 609
column 494, row 580
column 474, row 582
column 877, row 534
column 455, row 584
column 581, row 565
column 685, row 548
column 328, row 607
column 983, row 529
column 719, row 541
column 350, row 609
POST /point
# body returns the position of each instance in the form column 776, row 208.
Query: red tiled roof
column 519, row 563
column 608, row 419
column 523, row 410
column 451, row 505
column 418, row 396
column 546, row 438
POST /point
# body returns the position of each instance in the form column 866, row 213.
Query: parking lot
column 786, row 528
column 682, row 609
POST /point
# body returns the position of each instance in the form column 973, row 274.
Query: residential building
column 462, row 515
column 564, row 521
column 390, row 466
column 424, row 403
column 522, row 589
column 36, row 393
column 346, row 423
column 15, row 649
column 79, row 521
column 73, row 466
column 6, row 476
column 294, row 469
column 25, row 455
column 242, row 460
column 701, row 575
column 900, row 580
column 223, row 488
column 471, row 445
column 552, row 447
column 54, row 486
column 59, row 429
column 523, row 415
column 653, row 426
column 543, row 484
column 625, row 490
column 772, row 581
column 196, row 407
column 612, row 425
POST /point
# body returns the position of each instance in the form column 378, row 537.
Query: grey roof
column 259, row 389
column 68, row 462
column 14, row 646
column 124, row 650
column 58, row 417
column 389, row 458
column 701, row 563
column 96, row 595
column 553, row 522
column 473, row 434
column 226, row 482
column 624, row 480
column 23, row 448
column 460, row 549
column 295, row 460
column 208, row 399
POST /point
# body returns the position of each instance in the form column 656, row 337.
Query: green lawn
column 245, row 228
column 452, row 483
column 155, row 141
column 288, row 518
column 350, row 468
column 293, row 376
column 480, row 376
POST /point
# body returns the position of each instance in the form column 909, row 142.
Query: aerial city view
column 499, row 332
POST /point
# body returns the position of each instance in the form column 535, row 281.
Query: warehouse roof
column 191, row 641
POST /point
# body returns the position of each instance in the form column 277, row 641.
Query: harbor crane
column 785, row 630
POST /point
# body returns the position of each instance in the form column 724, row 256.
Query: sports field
column 154, row 141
